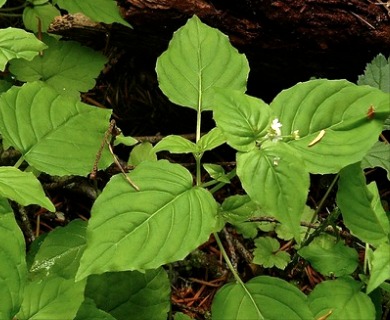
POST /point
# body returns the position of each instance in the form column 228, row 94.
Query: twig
column 26, row 223
column 363, row 20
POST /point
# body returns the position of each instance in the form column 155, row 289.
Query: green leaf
column 211, row 140
column 267, row 253
column 237, row 209
column 380, row 267
column 285, row 233
column 51, row 298
column 341, row 299
column 377, row 74
column 23, row 187
column 127, row 141
column 333, row 113
column 243, row 119
column 142, row 152
column 263, row 298
column 88, row 311
column 275, row 178
column 181, row 316
column 60, row 252
column 198, row 59
column 216, row 172
column 4, row 86
column 2, row 2
column 13, row 270
column 44, row 12
column 378, row 156
column 330, row 256
column 161, row 223
column 175, row 144
column 66, row 66
column 131, row 294
column 56, row 134
column 17, row 43
column 97, row 10
column 357, row 205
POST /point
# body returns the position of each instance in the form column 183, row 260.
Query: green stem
column 235, row 274
column 319, row 207
column 3, row 14
column 19, row 162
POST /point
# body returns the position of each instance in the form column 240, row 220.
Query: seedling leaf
column 330, row 256
column 337, row 108
column 45, row 299
column 342, row 299
column 60, row 252
column 264, row 298
column 66, row 66
column 56, row 134
column 242, row 119
column 200, row 58
column 13, row 270
column 360, row 207
column 17, row 43
column 23, row 187
column 162, row 222
column 380, row 267
column 142, row 295
column 284, row 180
column 97, row 10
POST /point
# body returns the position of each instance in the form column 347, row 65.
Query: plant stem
column 22, row 6
column 319, row 207
column 19, row 162
column 230, row 175
column 235, row 274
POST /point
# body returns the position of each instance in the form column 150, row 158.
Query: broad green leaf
column 17, row 43
column 378, row 156
column 359, row 207
column 56, row 134
column 380, row 267
column 200, row 58
column 331, row 116
column 142, row 152
column 175, row 144
column 340, row 299
column 264, row 297
column 243, row 119
column 60, row 252
column 377, row 74
column 131, row 294
column 66, row 66
column 105, row 11
column 237, row 210
column 13, row 270
column 51, row 298
column 4, row 86
column 387, row 124
column 330, row 257
column 267, row 253
column 2, row 2
column 88, row 311
column 137, row 230
column 275, row 177
column 23, row 187
column 45, row 13
column 216, row 172
column 211, row 140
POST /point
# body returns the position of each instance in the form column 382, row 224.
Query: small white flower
column 274, row 133
column 295, row 135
